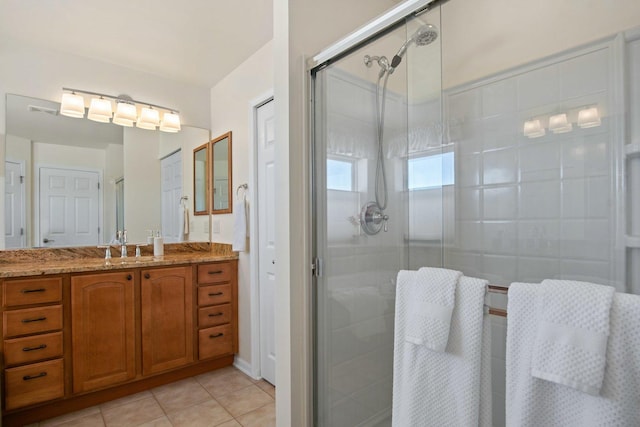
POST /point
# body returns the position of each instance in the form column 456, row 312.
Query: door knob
column 45, row 240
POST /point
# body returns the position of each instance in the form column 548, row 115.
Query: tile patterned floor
column 222, row 398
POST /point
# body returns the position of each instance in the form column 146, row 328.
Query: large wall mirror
column 75, row 182
column 221, row 174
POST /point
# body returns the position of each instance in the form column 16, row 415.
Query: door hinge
column 22, row 231
column 316, row 267
column 98, row 186
column 21, row 179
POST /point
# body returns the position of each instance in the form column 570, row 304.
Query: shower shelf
column 632, row 150
column 632, row 241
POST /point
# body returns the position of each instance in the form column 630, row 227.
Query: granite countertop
column 36, row 262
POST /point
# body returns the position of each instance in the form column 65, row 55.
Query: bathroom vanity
column 80, row 331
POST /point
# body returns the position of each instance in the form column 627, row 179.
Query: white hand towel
column 185, row 222
column 430, row 307
column 444, row 389
column 572, row 333
column 533, row 402
column 239, row 226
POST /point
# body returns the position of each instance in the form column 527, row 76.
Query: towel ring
column 243, row 187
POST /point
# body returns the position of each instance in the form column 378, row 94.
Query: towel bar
column 498, row 290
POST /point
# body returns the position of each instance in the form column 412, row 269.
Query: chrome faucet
column 122, row 238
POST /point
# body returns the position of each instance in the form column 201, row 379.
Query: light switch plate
column 216, row 226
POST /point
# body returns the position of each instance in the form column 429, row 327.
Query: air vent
column 39, row 109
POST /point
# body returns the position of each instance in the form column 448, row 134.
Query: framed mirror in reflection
column 221, row 174
column 75, row 182
column 201, row 180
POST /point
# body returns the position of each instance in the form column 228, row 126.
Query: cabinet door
column 103, row 330
column 167, row 318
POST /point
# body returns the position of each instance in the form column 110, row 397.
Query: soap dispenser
column 158, row 245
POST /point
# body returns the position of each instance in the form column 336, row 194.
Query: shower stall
column 515, row 176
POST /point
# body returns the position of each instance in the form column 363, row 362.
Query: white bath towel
column 239, row 226
column 572, row 333
column 430, row 305
column 531, row 401
column 450, row 388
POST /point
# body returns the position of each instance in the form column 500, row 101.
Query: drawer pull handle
column 215, row 314
column 33, row 377
column 216, row 272
column 37, row 319
column 215, row 294
column 216, row 335
column 40, row 347
column 30, row 291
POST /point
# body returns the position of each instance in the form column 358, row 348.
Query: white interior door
column 266, row 238
column 14, row 200
column 171, row 176
column 69, row 207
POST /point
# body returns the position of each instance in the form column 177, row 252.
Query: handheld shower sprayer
column 423, row 36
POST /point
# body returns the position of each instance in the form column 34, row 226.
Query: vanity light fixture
column 126, row 114
column 533, row 129
column 170, row 122
column 559, row 123
column 100, row 110
column 589, row 118
column 72, row 105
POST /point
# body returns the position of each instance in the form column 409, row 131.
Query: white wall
column 488, row 36
column 231, row 111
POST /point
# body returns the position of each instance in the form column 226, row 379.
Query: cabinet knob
column 129, row 277
column 147, row 276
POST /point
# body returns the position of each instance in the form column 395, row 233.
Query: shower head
column 423, row 36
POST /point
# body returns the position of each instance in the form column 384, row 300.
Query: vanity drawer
column 210, row 295
column 32, row 291
column 34, row 383
column 214, row 273
column 215, row 341
column 212, row 316
column 32, row 320
column 32, row 349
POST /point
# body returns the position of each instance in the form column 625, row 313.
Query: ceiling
column 195, row 41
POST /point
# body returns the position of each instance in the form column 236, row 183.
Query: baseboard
column 245, row 367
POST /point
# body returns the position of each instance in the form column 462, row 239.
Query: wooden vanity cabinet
column 167, row 318
column 32, row 326
column 217, row 309
column 74, row 340
column 103, row 329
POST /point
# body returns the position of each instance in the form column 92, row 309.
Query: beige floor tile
column 133, row 413
column 94, row 420
column 70, row 416
column 224, row 381
column 244, row 400
column 160, row 422
column 205, row 414
column 125, row 400
column 261, row 417
column 232, row 423
column 179, row 395
column 268, row 387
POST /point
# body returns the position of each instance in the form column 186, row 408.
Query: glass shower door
column 372, row 122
